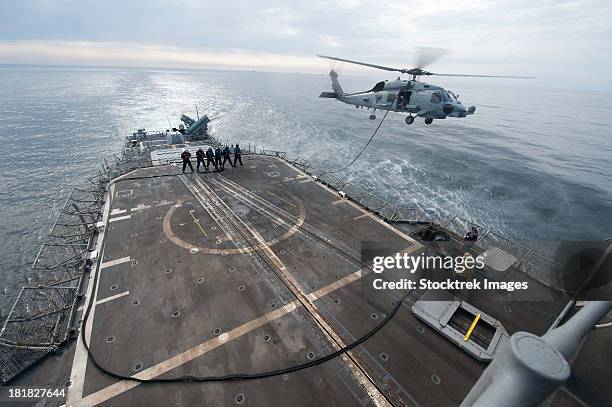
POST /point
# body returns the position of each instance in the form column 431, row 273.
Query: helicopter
column 418, row 99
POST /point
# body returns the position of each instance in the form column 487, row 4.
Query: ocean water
column 532, row 163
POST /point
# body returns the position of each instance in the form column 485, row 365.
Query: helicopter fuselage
column 405, row 96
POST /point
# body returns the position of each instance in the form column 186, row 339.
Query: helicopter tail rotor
column 335, row 83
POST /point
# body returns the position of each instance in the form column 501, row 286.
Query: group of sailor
column 215, row 157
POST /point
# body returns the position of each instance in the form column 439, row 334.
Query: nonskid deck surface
column 249, row 270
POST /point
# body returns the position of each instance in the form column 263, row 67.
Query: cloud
column 561, row 40
column 79, row 52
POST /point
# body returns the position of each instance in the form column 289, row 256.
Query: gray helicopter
column 407, row 95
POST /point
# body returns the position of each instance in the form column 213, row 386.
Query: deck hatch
column 451, row 317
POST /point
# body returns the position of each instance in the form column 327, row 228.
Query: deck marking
column 115, row 262
column 79, row 361
column 197, row 222
column 305, row 181
column 118, row 211
column 160, row 368
column 140, row 207
column 469, row 332
column 282, row 199
column 121, row 387
column 359, row 208
column 351, row 362
column 118, row 218
column 339, row 201
column 112, row 297
column 323, row 291
column 198, row 195
column 365, row 215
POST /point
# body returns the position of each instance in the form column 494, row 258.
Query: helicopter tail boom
column 330, row 95
column 335, row 84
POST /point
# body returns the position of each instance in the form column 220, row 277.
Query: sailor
column 210, row 158
column 200, row 156
column 470, row 239
column 186, row 156
column 218, row 157
column 237, row 155
column 226, row 157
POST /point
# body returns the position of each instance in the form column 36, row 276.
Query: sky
column 557, row 41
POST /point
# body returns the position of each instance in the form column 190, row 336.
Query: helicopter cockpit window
column 446, row 97
column 378, row 87
column 436, row 98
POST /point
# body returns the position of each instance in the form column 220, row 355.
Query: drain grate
column 384, row 357
column 240, row 398
column 176, row 314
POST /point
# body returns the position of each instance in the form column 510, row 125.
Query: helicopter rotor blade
column 428, row 55
column 385, row 68
column 483, row 76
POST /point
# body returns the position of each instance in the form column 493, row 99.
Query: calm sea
column 532, row 163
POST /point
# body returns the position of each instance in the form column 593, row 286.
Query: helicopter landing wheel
column 409, row 119
column 372, row 116
column 428, row 120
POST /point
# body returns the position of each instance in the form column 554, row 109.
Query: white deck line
column 115, row 262
column 182, row 358
column 107, row 299
column 359, row 208
column 112, row 297
column 79, row 363
column 357, row 371
column 120, row 218
column 118, row 211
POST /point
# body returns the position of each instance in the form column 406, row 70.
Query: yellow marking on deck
column 339, row 201
column 197, row 222
column 365, row 215
column 469, row 332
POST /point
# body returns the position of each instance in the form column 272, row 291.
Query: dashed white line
column 115, row 262
column 112, row 297
column 120, row 218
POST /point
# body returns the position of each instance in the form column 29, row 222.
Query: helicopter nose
column 447, row 109
column 460, row 110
